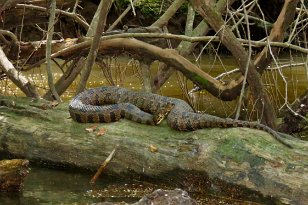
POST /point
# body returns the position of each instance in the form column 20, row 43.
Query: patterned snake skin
column 108, row 104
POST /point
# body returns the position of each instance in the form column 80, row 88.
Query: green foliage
column 150, row 8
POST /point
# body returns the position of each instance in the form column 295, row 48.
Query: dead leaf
column 91, row 129
column 101, row 132
column 153, row 148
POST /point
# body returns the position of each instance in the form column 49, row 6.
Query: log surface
column 224, row 159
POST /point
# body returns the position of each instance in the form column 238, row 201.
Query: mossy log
column 240, row 162
column 12, row 174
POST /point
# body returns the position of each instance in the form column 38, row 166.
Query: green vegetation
column 150, row 8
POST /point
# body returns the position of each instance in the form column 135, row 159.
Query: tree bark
column 236, row 161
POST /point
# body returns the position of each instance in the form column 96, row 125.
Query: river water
column 46, row 186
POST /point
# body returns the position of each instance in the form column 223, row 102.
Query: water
column 48, row 186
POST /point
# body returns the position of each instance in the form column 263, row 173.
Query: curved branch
column 150, row 52
column 9, row 34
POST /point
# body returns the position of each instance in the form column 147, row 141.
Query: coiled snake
column 108, row 104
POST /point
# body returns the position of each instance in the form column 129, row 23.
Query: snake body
column 108, row 104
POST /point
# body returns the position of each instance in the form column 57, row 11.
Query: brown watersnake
column 109, row 104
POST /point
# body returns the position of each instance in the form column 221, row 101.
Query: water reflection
column 45, row 186
column 48, row 186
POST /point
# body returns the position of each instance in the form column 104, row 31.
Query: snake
column 111, row 103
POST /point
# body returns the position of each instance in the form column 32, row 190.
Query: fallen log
column 12, row 174
column 239, row 162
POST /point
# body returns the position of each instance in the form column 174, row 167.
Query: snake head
column 162, row 114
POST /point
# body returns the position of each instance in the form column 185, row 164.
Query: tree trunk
column 236, row 161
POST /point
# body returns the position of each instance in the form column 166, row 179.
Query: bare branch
column 74, row 16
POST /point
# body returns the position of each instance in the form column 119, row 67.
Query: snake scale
column 108, row 104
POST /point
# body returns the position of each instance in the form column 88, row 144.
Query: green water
column 47, row 186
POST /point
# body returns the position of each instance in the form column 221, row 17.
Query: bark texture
column 239, row 162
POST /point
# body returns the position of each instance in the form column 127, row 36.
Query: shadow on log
column 12, row 174
column 233, row 161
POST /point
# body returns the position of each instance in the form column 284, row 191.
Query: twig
column 103, row 166
column 236, row 70
column 74, row 16
column 132, row 5
column 203, row 38
column 51, row 23
column 237, row 115
column 86, row 43
column 115, row 23
column 75, row 6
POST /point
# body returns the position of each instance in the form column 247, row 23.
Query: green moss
column 226, row 150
